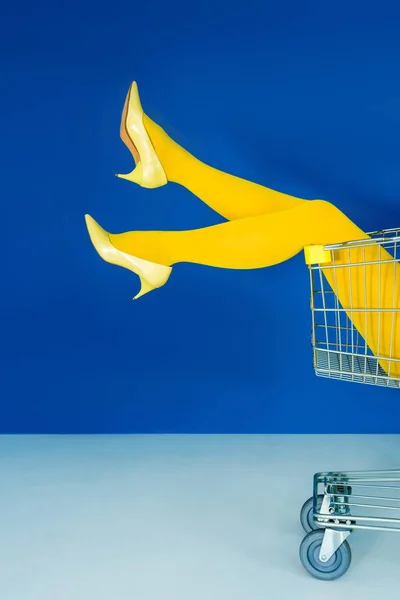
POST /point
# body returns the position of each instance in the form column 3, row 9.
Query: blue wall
column 301, row 96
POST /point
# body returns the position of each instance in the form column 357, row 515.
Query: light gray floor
column 178, row 517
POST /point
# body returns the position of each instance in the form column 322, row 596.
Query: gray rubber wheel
column 306, row 514
column 336, row 566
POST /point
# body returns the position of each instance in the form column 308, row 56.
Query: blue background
column 300, row 96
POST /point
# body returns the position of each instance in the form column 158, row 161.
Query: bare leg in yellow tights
column 253, row 236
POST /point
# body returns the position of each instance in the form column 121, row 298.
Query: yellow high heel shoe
column 148, row 172
column 151, row 274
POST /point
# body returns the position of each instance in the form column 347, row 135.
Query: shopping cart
column 345, row 501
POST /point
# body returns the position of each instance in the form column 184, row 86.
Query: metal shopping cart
column 345, row 501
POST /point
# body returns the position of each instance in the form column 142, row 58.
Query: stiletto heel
column 151, row 275
column 148, row 172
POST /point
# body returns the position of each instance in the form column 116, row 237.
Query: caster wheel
column 306, row 514
column 334, row 568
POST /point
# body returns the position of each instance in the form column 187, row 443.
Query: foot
column 148, row 171
column 151, row 274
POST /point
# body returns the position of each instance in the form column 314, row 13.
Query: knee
column 323, row 205
column 323, row 210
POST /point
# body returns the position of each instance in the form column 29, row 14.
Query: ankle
column 167, row 150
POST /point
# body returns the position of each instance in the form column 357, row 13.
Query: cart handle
column 316, row 254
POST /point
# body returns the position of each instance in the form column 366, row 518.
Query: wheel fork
column 333, row 539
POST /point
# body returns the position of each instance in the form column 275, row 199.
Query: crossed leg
column 252, row 238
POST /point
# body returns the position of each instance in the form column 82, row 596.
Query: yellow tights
column 265, row 228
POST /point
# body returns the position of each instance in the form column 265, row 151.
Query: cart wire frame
column 339, row 350
column 358, row 500
column 345, row 501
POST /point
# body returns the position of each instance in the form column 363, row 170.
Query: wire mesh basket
column 355, row 306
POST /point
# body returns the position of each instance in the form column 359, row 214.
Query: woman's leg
column 232, row 197
column 250, row 243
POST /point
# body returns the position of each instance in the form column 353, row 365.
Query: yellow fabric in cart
column 376, row 287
